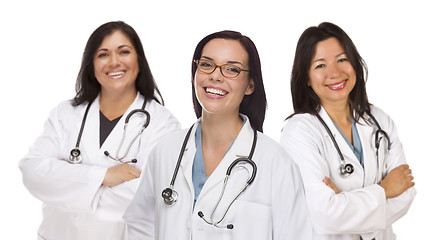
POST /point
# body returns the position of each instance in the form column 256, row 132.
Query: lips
column 337, row 86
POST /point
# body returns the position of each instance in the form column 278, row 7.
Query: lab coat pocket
column 250, row 220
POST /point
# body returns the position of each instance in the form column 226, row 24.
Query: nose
column 333, row 71
column 114, row 60
column 216, row 75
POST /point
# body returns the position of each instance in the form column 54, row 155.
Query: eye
column 102, row 55
column 319, row 66
column 205, row 64
column 343, row 60
column 125, row 52
column 232, row 68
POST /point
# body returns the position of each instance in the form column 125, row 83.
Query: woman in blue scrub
column 352, row 163
column 232, row 182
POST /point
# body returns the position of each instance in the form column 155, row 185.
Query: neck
column 339, row 113
column 220, row 129
column 113, row 106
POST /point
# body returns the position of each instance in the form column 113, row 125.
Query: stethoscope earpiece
column 169, row 196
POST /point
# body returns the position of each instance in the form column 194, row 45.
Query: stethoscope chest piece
column 169, row 196
column 75, row 156
column 346, row 169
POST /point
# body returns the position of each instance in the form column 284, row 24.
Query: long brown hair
column 305, row 100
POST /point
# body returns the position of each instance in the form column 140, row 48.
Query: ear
column 251, row 87
column 309, row 83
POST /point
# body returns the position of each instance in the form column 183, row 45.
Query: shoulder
column 66, row 109
column 171, row 140
column 159, row 112
column 377, row 112
column 270, row 149
column 384, row 120
column 301, row 120
column 301, row 124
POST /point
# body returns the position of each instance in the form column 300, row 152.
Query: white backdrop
column 42, row 42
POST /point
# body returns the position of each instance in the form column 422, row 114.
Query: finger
column 133, row 176
column 135, row 172
column 404, row 166
column 407, row 171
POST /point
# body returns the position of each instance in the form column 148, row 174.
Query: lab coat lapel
column 113, row 141
column 365, row 132
column 188, row 157
column 347, row 152
column 90, row 141
column 241, row 147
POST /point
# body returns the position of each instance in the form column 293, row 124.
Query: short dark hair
column 87, row 86
column 253, row 105
column 305, row 100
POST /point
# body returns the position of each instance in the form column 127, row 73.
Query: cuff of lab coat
column 100, row 189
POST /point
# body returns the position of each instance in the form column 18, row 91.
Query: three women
column 355, row 175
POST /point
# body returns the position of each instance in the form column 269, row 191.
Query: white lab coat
column 361, row 208
column 272, row 207
column 75, row 204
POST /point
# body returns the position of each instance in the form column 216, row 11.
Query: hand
column 397, row 181
column 330, row 184
column 119, row 174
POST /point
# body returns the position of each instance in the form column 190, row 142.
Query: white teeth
column 215, row 91
column 115, row 73
column 337, row 85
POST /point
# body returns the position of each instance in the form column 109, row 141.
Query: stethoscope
column 75, row 154
column 346, row 169
column 170, row 195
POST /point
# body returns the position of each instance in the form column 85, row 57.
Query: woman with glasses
column 222, row 178
column 356, row 179
column 85, row 165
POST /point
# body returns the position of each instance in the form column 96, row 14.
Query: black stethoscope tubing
column 170, row 196
column 347, row 169
column 75, row 154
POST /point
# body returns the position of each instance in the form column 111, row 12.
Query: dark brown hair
column 87, row 86
column 305, row 100
column 253, row 105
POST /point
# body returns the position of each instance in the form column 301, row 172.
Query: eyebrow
column 121, row 46
column 322, row 59
column 229, row 62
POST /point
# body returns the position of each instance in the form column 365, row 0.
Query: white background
column 42, row 42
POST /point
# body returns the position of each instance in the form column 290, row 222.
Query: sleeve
column 290, row 212
column 354, row 212
column 52, row 179
column 139, row 215
column 395, row 207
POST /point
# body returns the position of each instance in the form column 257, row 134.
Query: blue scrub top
column 357, row 146
column 198, row 170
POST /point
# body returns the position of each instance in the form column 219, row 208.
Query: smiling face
column 331, row 75
column 216, row 93
column 116, row 65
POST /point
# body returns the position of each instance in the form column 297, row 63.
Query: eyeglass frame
column 220, row 68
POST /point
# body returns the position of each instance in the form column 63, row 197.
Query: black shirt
column 106, row 127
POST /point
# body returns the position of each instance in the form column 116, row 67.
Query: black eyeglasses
column 227, row 70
